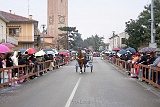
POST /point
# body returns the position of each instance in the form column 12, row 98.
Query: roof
column 15, row 18
column 3, row 18
column 114, row 36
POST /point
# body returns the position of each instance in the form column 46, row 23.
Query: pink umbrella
column 9, row 45
column 4, row 49
column 115, row 49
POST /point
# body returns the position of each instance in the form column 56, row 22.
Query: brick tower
column 57, row 16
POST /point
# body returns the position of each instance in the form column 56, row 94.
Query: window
column 123, row 40
column 14, row 31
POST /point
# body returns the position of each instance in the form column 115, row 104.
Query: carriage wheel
column 91, row 68
column 76, row 68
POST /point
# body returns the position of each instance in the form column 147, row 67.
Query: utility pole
column 152, row 44
column 43, row 34
column 67, row 40
column 113, row 38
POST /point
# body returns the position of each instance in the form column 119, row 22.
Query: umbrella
column 113, row 52
column 22, row 50
column 9, row 45
column 50, row 52
column 115, row 49
column 31, row 50
column 157, row 50
column 64, row 53
column 131, row 50
column 40, row 53
column 4, row 49
column 118, row 54
column 122, row 51
column 148, row 49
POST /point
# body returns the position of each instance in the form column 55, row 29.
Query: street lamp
column 43, row 33
column 152, row 44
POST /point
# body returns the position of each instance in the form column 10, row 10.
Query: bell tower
column 57, row 16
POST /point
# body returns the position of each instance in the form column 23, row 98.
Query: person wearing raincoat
column 15, row 63
column 134, row 65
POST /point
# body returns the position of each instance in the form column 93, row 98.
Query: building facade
column 3, row 35
column 21, row 29
column 57, row 17
column 118, row 41
column 3, row 29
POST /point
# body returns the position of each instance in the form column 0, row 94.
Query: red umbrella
column 115, row 49
column 9, row 45
column 31, row 50
column 64, row 53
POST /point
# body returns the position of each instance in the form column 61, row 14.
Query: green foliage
column 75, row 41
column 139, row 30
column 67, row 37
column 94, row 41
column 69, row 29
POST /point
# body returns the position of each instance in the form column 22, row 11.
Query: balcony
column 6, row 38
column 24, row 38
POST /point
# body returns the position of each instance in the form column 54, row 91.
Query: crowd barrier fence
column 25, row 72
column 146, row 73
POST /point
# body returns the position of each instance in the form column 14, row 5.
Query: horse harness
column 81, row 58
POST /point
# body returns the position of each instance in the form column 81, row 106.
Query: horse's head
column 80, row 53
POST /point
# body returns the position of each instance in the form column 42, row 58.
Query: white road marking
column 73, row 92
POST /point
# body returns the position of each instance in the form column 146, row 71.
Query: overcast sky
column 89, row 16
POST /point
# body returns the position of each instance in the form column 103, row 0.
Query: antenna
column 28, row 8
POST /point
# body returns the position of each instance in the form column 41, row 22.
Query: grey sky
column 89, row 16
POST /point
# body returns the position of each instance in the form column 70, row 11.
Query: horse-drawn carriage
column 83, row 61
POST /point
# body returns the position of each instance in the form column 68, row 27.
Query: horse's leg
column 80, row 65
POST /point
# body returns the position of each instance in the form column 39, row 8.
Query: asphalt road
column 107, row 86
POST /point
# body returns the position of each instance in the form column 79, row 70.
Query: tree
column 78, row 41
column 94, row 41
column 139, row 30
column 67, row 37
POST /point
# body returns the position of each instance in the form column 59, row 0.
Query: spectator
column 32, row 58
column 154, row 64
column 129, row 57
column 33, row 65
column 151, row 59
column 1, row 63
column 134, row 65
column 15, row 63
column 9, row 63
column 46, row 57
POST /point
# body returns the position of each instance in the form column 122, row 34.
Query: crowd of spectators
column 17, row 58
column 150, row 59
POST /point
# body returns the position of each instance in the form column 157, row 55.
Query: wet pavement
column 107, row 86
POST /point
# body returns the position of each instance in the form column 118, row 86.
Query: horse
column 81, row 59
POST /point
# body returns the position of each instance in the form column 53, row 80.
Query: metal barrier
column 25, row 72
column 145, row 73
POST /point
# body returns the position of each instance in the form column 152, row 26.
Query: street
column 106, row 86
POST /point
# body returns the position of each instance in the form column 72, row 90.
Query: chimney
column 30, row 17
column 10, row 11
